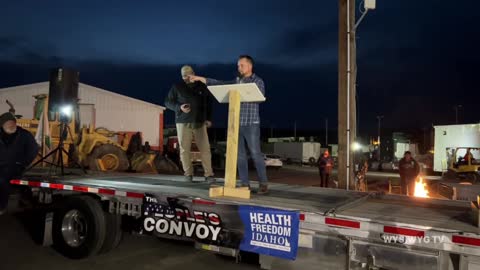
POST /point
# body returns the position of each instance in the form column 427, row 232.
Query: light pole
column 295, row 130
column 379, row 118
column 456, row 112
column 326, row 132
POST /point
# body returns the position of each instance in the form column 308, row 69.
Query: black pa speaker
column 63, row 88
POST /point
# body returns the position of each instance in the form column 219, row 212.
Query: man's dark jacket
column 408, row 169
column 197, row 95
column 325, row 164
column 17, row 151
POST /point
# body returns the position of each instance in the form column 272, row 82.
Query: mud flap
column 47, row 231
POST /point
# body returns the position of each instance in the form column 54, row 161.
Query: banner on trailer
column 261, row 230
column 177, row 217
column 270, row 231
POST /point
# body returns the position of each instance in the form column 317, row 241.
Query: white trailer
column 336, row 229
column 304, row 152
column 450, row 137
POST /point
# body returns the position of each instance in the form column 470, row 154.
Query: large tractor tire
column 473, row 177
column 112, row 157
column 450, row 175
column 79, row 227
column 165, row 165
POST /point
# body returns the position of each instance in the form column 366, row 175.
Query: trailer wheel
column 115, row 233
column 79, row 227
column 112, row 157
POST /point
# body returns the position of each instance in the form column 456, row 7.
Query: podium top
column 249, row 92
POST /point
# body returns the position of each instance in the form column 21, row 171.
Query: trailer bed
column 441, row 215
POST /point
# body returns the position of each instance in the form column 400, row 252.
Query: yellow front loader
column 95, row 149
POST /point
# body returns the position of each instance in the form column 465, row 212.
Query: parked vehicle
column 303, row 152
column 273, row 161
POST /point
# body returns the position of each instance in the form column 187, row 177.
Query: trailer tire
column 312, row 161
column 79, row 227
column 115, row 233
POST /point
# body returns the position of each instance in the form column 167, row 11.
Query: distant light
column 356, row 146
column 66, row 110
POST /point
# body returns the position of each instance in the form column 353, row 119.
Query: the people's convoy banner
column 267, row 231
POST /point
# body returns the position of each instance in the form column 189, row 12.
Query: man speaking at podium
column 249, row 135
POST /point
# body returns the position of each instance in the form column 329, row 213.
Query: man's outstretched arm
column 209, row 81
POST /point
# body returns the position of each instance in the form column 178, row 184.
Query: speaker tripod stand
column 58, row 152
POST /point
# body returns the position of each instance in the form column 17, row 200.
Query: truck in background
column 298, row 152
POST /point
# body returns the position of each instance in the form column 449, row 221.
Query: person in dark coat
column 409, row 170
column 18, row 149
column 192, row 104
column 325, row 167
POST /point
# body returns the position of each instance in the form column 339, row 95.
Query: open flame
column 421, row 189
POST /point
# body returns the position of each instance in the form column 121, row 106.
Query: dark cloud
column 21, row 50
column 415, row 58
column 308, row 45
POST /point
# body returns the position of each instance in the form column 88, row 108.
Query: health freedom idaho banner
column 260, row 230
column 270, row 231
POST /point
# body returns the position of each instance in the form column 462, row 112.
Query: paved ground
column 19, row 250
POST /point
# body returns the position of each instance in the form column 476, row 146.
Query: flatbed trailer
column 337, row 229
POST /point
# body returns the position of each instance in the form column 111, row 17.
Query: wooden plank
column 216, row 191
column 236, row 192
column 232, row 139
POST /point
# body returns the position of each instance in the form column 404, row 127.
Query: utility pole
column 346, row 92
column 456, row 112
column 379, row 118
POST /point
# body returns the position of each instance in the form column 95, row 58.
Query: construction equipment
column 451, row 137
column 464, row 163
column 96, row 149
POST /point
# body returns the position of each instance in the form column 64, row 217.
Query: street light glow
column 356, row 146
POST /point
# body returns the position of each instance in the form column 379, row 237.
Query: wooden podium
column 233, row 94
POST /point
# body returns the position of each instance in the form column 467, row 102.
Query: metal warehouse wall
column 113, row 111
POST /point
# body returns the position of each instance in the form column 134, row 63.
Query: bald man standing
column 192, row 105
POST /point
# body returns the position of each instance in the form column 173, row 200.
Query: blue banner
column 270, row 231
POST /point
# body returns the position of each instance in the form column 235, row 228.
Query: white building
column 97, row 106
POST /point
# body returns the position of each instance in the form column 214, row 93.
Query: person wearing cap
column 18, row 149
column 249, row 134
column 325, row 168
column 192, row 105
column 409, row 170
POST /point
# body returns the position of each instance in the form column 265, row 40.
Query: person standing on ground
column 18, row 149
column 409, row 170
column 191, row 103
column 325, row 167
column 249, row 134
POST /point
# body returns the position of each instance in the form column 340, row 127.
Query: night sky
column 416, row 59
